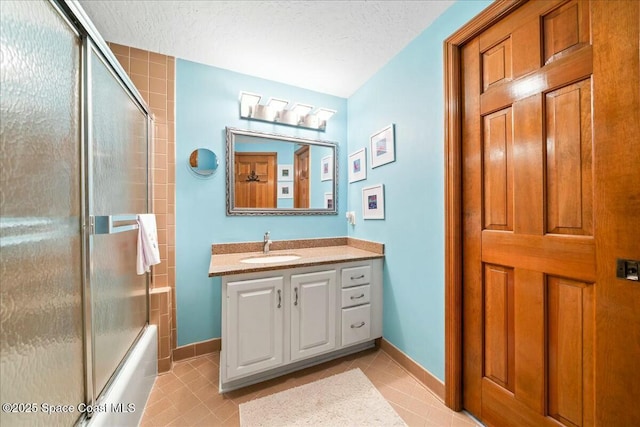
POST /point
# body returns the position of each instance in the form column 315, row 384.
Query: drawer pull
column 355, row 326
column 357, row 277
column 279, row 298
column 358, row 297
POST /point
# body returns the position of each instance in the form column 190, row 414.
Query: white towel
column 148, row 251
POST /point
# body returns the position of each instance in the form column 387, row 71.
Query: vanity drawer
column 356, row 324
column 356, row 295
column 355, row 276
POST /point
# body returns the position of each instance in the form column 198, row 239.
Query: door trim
column 453, row 191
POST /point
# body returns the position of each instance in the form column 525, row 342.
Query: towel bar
column 106, row 224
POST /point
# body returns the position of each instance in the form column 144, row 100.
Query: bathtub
column 126, row 398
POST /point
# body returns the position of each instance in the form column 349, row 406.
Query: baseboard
column 196, row 349
column 425, row 377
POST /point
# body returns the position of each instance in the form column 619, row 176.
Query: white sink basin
column 268, row 259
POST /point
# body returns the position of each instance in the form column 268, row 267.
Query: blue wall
column 408, row 92
column 206, row 102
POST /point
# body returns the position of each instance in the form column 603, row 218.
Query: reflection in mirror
column 203, row 161
column 270, row 174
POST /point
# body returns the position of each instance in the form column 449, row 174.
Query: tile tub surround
column 226, row 258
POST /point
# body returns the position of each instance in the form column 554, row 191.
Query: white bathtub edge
column 124, row 404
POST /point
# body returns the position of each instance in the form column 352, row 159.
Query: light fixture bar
column 248, row 101
column 276, row 111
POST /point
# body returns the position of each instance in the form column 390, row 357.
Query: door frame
column 453, row 191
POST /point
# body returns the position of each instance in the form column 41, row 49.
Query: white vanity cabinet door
column 313, row 313
column 255, row 328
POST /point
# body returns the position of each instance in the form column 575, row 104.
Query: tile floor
column 188, row 396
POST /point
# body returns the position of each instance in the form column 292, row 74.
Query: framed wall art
column 373, row 202
column 358, row 165
column 326, row 168
column 285, row 172
column 383, row 146
column 285, row 190
column 328, row 200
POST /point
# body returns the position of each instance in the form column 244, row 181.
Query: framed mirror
column 269, row 174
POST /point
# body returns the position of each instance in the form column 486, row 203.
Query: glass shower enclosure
column 74, row 146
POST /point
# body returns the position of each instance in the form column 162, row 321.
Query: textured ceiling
column 328, row 46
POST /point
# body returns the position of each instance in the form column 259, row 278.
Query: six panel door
column 529, row 252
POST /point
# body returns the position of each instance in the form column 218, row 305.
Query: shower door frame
column 71, row 11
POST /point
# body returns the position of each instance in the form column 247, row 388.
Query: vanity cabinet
column 279, row 321
column 313, row 318
column 255, row 312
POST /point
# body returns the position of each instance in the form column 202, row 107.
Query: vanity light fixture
column 248, row 101
column 275, row 111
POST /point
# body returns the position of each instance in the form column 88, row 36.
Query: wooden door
column 254, row 331
column 255, row 180
column 313, row 313
column 548, row 201
column 301, row 180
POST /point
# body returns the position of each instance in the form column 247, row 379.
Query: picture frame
column 285, row 172
column 373, row 202
column 328, row 200
column 358, row 165
column 326, row 168
column 382, row 146
column 285, row 190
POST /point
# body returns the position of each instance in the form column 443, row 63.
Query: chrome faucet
column 267, row 243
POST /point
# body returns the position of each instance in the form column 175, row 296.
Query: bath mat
column 346, row 399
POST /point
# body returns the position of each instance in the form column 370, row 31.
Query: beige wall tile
column 157, row 58
column 171, row 173
column 145, row 96
column 140, row 81
column 139, row 66
column 160, row 193
column 158, row 70
column 184, row 352
column 160, row 208
column 160, row 115
column 164, row 365
column 160, row 280
column 158, row 100
column 171, row 231
column 165, row 347
column 119, row 49
column 171, row 273
column 161, row 221
column 170, row 111
column 154, row 317
column 157, row 85
column 160, row 176
column 124, row 61
column 160, row 133
column 159, row 161
column 139, row 54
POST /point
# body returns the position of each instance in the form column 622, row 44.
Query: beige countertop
column 223, row 264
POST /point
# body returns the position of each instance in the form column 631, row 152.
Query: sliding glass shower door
column 73, row 176
column 40, row 215
column 117, row 191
